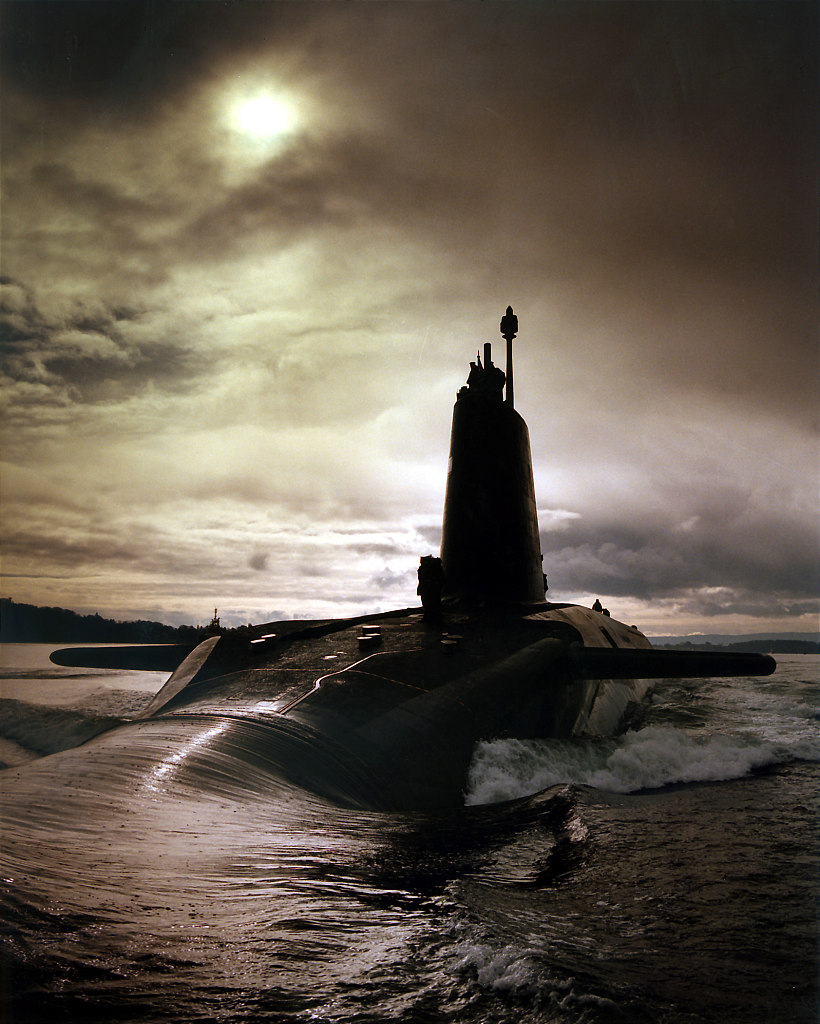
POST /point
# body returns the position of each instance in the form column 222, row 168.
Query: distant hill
column 30, row 624
column 759, row 643
column 732, row 638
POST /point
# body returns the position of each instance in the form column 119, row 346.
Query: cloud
column 53, row 363
column 229, row 369
column 745, row 555
column 258, row 561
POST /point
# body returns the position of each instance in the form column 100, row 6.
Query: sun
column 262, row 117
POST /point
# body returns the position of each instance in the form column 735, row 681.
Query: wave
column 526, row 973
column 223, row 756
column 505, row 970
column 29, row 731
column 648, row 759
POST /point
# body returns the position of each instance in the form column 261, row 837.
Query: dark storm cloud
column 90, row 542
column 331, row 185
column 747, row 554
column 258, row 561
column 430, row 537
column 84, row 228
column 128, row 50
column 151, row 363
column 113, row 223
column 85, row 552
column 50, row 364
column 384, row 550
column 103, row 205
column 388, row 578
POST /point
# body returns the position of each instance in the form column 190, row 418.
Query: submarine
column 383, row 711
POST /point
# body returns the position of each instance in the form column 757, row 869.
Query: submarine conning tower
column 490, row 550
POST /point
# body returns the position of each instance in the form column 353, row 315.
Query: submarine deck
column 368, row 665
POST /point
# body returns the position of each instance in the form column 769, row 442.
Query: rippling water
column 666, row 876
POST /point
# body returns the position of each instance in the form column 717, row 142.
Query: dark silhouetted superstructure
column 490, row 548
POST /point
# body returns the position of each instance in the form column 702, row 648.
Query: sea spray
column 652, row 757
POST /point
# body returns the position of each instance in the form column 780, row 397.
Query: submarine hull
column 385, row 713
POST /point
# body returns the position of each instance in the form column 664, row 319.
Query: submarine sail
column 490, row 549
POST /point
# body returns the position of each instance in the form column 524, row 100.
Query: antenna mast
column 509, row 329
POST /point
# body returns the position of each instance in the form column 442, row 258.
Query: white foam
column 522, row 971
column 506, row 970
column 510, row 768
column 652, row 757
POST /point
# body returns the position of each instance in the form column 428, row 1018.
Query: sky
column 249, row 249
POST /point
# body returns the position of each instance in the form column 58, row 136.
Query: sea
column 669, row 875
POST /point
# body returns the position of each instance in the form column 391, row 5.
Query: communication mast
column 509, row 329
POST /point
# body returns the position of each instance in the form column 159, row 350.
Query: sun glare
column 262, row 117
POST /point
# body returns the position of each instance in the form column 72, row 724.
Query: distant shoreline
column 753, row 646
column 32, row 624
